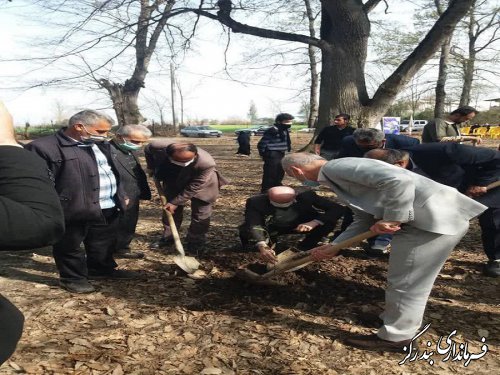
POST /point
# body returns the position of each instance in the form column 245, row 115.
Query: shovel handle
column 307, row 258
column 170, row 218
column 493, row 185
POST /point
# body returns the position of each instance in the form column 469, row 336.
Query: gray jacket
column 377, row 190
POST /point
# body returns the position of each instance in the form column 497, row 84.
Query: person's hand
column 385, row 227
column 7, row 137
column 127, row 201
column 476, row 140
column 307, row 227
column 267, row 254
column 476, row 191
column 318, row 253
column 170, row 208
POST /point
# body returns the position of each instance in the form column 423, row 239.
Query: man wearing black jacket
column 282, row 211
column 88, row 184
column 30, row 216
column 130, row 139
column 469, row 170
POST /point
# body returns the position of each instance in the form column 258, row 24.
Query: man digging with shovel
column 282, row 211
column 187, row 173
column 427, row 218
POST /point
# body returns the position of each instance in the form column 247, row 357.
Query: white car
column 417, row 125
column 200, row 132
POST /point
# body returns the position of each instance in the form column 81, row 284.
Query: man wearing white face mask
column 187, row 174
column 283, row 211
column 130, row 139
column 91, row 194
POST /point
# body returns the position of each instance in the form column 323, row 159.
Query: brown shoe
column 375, row 343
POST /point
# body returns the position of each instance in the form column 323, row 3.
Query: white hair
column 89, row 117
column 299, row 159
column 126, row 130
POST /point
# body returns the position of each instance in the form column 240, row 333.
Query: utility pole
column 172, row 93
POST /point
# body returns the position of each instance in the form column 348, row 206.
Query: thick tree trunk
column 124, row 99
column 345, row 28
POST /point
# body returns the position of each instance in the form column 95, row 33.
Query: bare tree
column 343, row 41
column 110, row 43
column 482, row 25
column 444, row 58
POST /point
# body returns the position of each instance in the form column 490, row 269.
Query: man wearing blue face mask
column 130, row 139
column 282, row 211
column 187, row 174
column 89, row 187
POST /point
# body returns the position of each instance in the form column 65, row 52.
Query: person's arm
column 318, row 141
column 331, row 211
column 396, row 188
column 193, row 187
column 29, row 206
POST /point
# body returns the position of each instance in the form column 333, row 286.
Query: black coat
column 133, row 179
column 459, row 166
column 259, row 213
column 30, row 212
column 74, row 168
column 349, row 148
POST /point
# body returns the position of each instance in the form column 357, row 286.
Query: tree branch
column 370, row 5
column 224, row 17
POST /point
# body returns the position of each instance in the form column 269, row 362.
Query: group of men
column 99, row 182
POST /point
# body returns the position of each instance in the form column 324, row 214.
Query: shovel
column 301, row 259
column 187, row 264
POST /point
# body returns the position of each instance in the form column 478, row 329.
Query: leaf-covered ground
column 167, row 323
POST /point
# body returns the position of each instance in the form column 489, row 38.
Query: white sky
column 208, row 92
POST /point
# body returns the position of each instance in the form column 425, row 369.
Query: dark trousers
column 310, row 240
column 11, row 328
column 273, row 172
column 244, row 149
column 201, row 213
column 127, row 223
column 99, row 240
column 489, row 221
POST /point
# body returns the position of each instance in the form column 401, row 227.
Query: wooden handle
column 493, row 185
column 305, row 257
column 170, row 218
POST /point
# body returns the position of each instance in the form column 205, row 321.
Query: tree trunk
column 469, row 62
column 442, row 77
column 313, row 66
column 345, row 28
column 124, row 99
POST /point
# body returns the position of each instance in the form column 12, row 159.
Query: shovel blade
column 187, row 264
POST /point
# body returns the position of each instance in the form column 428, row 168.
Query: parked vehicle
column 254, row 130
column 200, row 132
column 417, row 125
column 307, row 130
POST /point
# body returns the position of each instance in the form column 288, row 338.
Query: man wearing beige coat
column 427, row 218
column 187, row 173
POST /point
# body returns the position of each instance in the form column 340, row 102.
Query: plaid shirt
column 107, row 180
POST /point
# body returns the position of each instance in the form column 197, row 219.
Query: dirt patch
column 167, row 323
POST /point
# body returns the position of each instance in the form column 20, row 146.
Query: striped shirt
column 107, row 180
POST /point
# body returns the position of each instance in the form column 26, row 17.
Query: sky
column 209, row 92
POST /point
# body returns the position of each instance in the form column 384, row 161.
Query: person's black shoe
column 377, row 251
column 492, row 268
column 195, row 249
column 128, row 254
column 80, row 286
column 162, row 243
column 113, row 275
column 375, row 343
